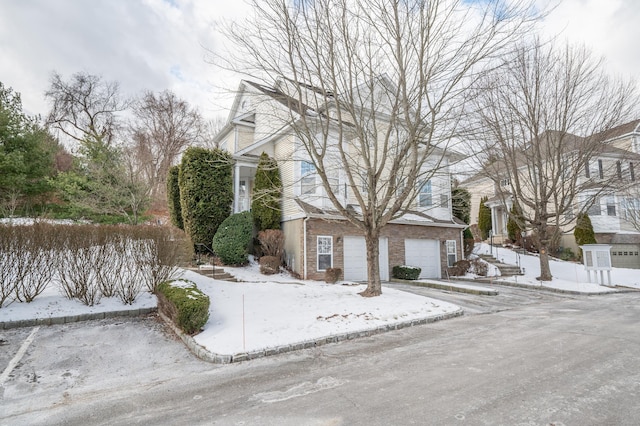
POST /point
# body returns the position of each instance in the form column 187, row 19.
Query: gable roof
column 619, row 131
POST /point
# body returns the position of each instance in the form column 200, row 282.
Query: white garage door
column 424, row 254
column 355, row 259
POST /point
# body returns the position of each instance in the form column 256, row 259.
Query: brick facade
column 395, row 233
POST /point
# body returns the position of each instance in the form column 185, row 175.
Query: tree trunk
column 545, row 270
column 374, row 286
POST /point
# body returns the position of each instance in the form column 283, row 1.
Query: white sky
column 160, row 44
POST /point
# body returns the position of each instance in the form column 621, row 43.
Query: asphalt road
column 516, row 359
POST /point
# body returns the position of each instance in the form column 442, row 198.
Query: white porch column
column 236, row 188
column 494, row 220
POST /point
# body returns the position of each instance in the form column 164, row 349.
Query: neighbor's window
column 595, row 210
column 611, row 206
column 325, row 253
column 452, row 257
column 600, row 170
column 425, row 198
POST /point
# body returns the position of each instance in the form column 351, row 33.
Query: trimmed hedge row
column 183, row 303
column 405, row 272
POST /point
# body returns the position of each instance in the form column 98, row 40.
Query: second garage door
column 355, row 259
column 424, row 254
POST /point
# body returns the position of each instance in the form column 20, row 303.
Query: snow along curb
column 76, row 318
column 205, row 355
column 551, row 289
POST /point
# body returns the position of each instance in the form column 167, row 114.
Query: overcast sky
column 161, row 44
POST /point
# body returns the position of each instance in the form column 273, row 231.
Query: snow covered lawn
column 264, row 312
column 566, row 275
column 251, row 316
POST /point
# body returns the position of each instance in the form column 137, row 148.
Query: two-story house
column 317, row 236
column 608, row 191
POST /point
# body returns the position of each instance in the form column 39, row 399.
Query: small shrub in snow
column 231, row 242
column 460, row 268
column 269, row 265
column 184, row 304
column 405, row 272
column 479, row 267
column 332, row 275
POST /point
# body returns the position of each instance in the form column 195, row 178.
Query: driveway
column 545, row 360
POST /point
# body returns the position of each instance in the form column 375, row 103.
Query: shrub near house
column 231, row 242
column 405, row 272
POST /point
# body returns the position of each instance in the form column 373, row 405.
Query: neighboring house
column 612, row 212
column 317, row 237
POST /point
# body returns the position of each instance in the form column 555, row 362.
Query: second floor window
column 308, row 177
column 594, row 209
column 425, row 197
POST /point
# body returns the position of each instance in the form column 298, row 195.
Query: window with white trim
column 611, row 206
column 595, row 209
column 325, row 253
column 307, row 178
column 452, row 256
column 425, row 197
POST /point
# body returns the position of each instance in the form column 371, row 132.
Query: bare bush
column 159, row 252
column 38, row 259
column 7, row 264
column 459, row 268
column 128, row 283
column 272, row 242
column 479, row 267
column 79, row 262
column 269, row 265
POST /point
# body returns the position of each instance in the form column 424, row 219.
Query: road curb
column 448, row 287
column 205, row 355
column 6, row 325
column 554, row 290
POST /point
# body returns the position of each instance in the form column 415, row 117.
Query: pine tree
column 484, row 218
column 267, row 194
column 206, row 193
column 173, row 197
column 514, row 230
column 584, row 231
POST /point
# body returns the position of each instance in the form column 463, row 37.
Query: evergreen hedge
column 173, row 197
column 206, row 192
column 231, row 242
column 514, row 231
column 484, row 218
column 584, row 232
column 267, row 194
column 405, row 272
column 184, row 304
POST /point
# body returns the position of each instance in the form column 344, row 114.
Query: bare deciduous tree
column 164, row 126
column 85, row 107
column 377, row 87
column 540, row 115
column 211, row 128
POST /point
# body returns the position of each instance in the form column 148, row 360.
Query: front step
column 504, row 268
column 213, row 272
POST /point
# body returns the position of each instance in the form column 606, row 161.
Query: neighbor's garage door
column 355, row 259
column 424, row 254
